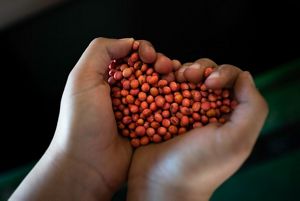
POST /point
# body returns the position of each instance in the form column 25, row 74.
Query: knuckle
column 98, row 41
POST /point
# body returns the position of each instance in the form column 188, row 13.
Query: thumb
column 101, row 51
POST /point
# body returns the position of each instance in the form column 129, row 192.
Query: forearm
column 142, row 191
column 56, row 177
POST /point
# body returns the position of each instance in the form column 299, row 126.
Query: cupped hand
column 193, row 165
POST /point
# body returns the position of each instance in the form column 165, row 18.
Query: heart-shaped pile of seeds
column 149, row 109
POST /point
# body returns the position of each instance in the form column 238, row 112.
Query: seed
column 166, row 123
column 127, row 72
column 135, row 142
column 134, row 84
column 156, row 138
column 160, row 101
column 150, row 131
column 174, row 121
column 161, row 130
column 144, row 140
column 154, row 91
column 142, row 96
column 118, row 75
column 140, row 131
column 145, row 87
column 184, row 121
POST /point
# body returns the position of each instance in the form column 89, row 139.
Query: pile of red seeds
column 150, row 109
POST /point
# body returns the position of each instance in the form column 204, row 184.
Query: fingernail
column 250, row 78
column 195, row 66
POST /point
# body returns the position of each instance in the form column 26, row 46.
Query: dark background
column 38, row 53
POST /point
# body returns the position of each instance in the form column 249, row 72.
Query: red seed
column 134, row 57
column 132, row 126
column 129, row 99
column 186, row 94
column 126, row 120
column 166, row 113
column 225, row 93
column 166, row 106
column 118, row 75
column 156, row 138
column 208, row 71
column 196, row 116
column 140, row 122
column 181, row 130
column 205, row 106
column 134, row 84
column 233, row 104
column 186, row 102
column 166, row 90
column 118, row 115
column 124, row 92
column 153, row 106
column 162, row 83
column 174, row 121
column 160, row 101
column 167, row 136
column 147, row 112
column 158, row 117
column 211, row 113
column 169, row 98
column 153, row 80
column 155, row 125
column 197, row 125
column 134, row 92
column 141, row 79
column 225, row 109
column 144, row 105
column 178, row 98
column 166, row 123
column 144, row 67
column 184, row 86
column 144, row 140
column 154, row 91
column 140, row 131
column 184, row 121
column 126, row 85
column 150, row 99
column 174, row 108
column 196, row 106
column 150, row 131
column 161, row 130
column 135, row 142
column 133, row 108
column 127, row 72
column 173, row 129
column 142, row 96
column 125, row 132
column 174, row 86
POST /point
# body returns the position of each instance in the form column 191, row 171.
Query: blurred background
column 41, row 40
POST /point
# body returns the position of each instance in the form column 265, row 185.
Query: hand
column 87, row 158
column 192, row 166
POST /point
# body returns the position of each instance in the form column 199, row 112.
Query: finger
column 101, row 51
column 179, row 74
column 194, row 73
column 163, row 64
column 223, row 77
column 147, row 52
column 176, row 64
column 247, row 119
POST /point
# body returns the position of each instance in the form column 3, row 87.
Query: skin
column 88, row 160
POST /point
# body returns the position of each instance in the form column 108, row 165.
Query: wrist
column 144, row 189
column 78, row 177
